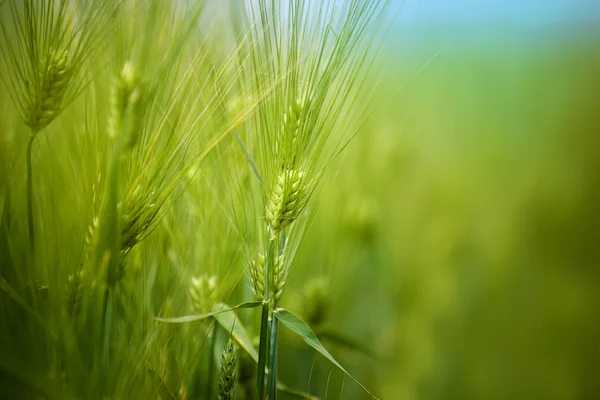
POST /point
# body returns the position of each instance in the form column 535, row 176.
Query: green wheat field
column 299, row 199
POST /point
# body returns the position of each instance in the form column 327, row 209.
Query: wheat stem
column 279, row 278
column 30, row 191
column 211, row 361
column 106, row 331
column 272, row 378
column 264, row 328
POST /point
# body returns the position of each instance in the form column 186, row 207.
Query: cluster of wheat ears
column 171, row 156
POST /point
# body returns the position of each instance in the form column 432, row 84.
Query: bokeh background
column 460, row 231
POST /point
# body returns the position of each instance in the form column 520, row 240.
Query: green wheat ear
column 75, row 292
column 45, row 99
column 203, row 294
column 293, row 118
column 138, row 214
column 257, row 276
column 46, row 47
column 228, row 371
column 126, row 106
column 286, row 201
column 277, row 280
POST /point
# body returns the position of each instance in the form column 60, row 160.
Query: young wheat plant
column 310, row 59
column 45, row 47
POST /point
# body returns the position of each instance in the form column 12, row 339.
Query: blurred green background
column 460, row 231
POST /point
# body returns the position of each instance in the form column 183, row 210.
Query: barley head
column 45, row 96
column 279, row 278
column 277, row 281
column 75, row 292
column 139, row 214
column 286, row 200
column 203, row 294
column 257, row 276
column 91, row 238
column 228, row 371
column 126, row 106
column 293, row 118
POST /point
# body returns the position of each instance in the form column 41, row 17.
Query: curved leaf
column 222, row 309
column 348, row 342
column 294, row 323
column 293, row 392
column 231, row 323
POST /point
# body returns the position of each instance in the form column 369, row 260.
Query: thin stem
column 107, row 328
column 211, row 359
column 273, row 343
column 264, row 327
column 272, row 378
column 30, row 191
column 262, row 353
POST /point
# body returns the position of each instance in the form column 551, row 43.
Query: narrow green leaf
column 294, row 323
column 5, row 286
column 293, row 392
column 347, row 342
column 231, row 323
column 222, row 309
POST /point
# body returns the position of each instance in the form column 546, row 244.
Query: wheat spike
column 293, row 117
column 126, row 106
column 279, row 278
column 277, row 281
column 257, row 276
column 75, row 290
column 203, row 294
column 137, row 217
column 46, row 95
column 286, row 200
column 228, row 371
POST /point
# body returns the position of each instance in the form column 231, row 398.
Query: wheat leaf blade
column 296, row 325
column 222, row 308
column 348, row 343
column 231, row 323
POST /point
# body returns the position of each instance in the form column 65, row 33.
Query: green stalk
column 272, row 378
column 264, row 327
column 30, row 191
column 211, row 359
column 262, row 352
column 273, row 344
column 107, row 327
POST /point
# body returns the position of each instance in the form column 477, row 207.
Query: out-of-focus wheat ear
column 203, row 294
column 45, row 95
column 126, row 106
column 138, row 213
column 286, row 200
column 228, row 371
column 75, row 292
